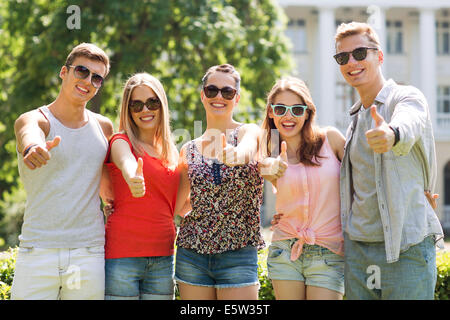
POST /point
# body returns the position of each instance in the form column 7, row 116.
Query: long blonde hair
column 312, row 137
column 163, row 135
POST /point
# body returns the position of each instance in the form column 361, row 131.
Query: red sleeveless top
column 142, row 227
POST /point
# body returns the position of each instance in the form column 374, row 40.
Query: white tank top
column 63, row 204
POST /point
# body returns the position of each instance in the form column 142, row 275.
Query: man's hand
column 381, row 138
column 38, row 155
column 276, row 218
column 273, row 168
column 432, row 198
column 108, row 208
column 136, row 183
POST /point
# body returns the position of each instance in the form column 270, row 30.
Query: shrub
column 265, row 289
column 442, row 291
column 7, row 263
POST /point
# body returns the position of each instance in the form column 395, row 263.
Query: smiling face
column 365, row 73
column 218, row 105
column 80, row 91
column 288, row 125
column 145, row 120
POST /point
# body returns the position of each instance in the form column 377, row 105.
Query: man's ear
column 63, row 72
column 238, row 96
column 380, row 56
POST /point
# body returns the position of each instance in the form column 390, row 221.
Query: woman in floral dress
column 219, row 238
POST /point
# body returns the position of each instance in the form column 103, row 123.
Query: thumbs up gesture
column 136, row 183
column 229, row 154
column 36, row 156
column 273, row 168
column 381, row 138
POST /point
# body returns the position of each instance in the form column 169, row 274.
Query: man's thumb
column 53, row 143
column 376, row 116
column 140, row 167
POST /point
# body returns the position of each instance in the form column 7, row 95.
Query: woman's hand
column 272, row 169
column 136, row 183
column 108, row 208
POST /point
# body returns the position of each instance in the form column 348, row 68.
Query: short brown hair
column 90, row 51
column 225, row 68
column 345, row 30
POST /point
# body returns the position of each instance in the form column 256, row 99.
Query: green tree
column 175, row 40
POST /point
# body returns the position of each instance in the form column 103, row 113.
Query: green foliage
column 266, row 289
column 175, row 40
column 13, row 207
column 7, row 263
column 442, row 291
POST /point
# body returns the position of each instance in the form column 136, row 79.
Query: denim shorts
column 317, row 266
column 230, row 269
column 369, row 277
column 144, row 278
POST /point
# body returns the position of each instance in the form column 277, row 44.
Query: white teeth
column 218, row 105
column 147, row 118
column 355, row 72
column 288, row 124
column 82, row 89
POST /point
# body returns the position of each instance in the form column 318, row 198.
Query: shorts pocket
column 274, row 252
column 96, row 250
column 333, row 260
column 25, row 250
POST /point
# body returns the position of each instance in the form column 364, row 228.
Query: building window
column 443, row 37
column 446, row 218
column 296, row 31
column 443, row 106
column 394, row 37
column 447, row 184
column 346, row 96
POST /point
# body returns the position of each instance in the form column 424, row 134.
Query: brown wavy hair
column 312, row 137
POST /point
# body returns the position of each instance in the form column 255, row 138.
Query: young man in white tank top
column 61, row 148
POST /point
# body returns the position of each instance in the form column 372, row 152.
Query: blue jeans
column 369, row 277
column 144, row 278
column 230, row 269
column 317, row 266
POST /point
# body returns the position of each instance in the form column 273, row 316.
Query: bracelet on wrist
column 396, row 133
column 27, row 149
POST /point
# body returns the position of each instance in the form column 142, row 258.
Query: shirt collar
column 381, row 96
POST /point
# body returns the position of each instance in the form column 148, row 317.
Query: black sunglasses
column 81, row 72
column 151, row 104
column 359, row 54
column 212, row 91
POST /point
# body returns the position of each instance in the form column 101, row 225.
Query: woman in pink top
column 305, row 258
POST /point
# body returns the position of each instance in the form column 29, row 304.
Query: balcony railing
column 443, row 121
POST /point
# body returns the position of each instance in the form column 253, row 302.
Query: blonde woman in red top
column 142, row 160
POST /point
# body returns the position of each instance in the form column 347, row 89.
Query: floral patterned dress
column 225, row 202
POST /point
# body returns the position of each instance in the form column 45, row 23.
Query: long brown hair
column 163, row 138
column 312, row 137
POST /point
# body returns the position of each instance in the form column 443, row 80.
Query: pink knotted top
column 308, row 197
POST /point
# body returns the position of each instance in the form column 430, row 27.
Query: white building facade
column 415, row 38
